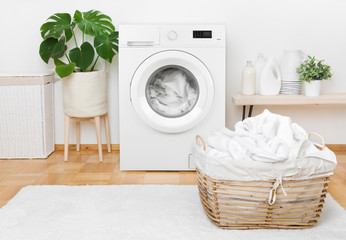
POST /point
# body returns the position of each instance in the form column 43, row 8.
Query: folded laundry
column 268, row 146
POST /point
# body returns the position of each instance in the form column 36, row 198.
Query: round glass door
column 172, row 91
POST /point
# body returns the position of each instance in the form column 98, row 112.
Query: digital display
column 202, row 34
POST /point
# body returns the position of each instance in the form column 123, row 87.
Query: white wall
column 315, row 26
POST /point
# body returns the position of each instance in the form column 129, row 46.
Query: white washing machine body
column 171, row 88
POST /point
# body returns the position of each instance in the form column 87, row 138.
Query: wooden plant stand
column 97, row 121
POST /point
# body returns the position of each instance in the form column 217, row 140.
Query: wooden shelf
column 330, row 98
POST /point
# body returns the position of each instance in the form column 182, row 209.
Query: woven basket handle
column 200, row 139
column 322, row 139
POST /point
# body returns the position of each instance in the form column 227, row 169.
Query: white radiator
column 26, row 116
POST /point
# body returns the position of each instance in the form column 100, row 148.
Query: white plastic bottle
column 259, row 64
column 249, row 78
column 270, row 79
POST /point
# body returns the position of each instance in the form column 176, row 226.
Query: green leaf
column 59, row 48
column 107, row 46
column 93, row 23
column 62, row 69
column 57, row 62
column 56, row 25
column 46, row 48
column 84, row 56
column 75, row 56
column 52, row 48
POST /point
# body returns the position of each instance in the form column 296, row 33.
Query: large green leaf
column 84, row 56
column 63, row 69
column 93, row 23
column 52, row 48
column 56, row 25
column 107, row 46
column 59, row 49
column 57, row 62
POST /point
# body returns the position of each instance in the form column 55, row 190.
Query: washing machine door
column 172, row 91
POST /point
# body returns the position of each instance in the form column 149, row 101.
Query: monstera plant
column 60, row 28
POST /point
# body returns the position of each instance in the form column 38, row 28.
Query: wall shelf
column 330, row 98
column 251, row 100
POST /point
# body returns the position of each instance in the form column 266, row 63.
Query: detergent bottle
column 259, row 64
column 270, row 78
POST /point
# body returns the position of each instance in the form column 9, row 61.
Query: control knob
column 172, row 35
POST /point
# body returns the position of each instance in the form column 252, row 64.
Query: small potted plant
column 84, row 86
column 312, row 72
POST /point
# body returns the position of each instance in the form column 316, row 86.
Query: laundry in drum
column 172, row 91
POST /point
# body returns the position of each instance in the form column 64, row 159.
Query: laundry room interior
column 251, row 27
column 209, row 44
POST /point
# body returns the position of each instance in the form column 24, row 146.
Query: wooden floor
column 84, row 168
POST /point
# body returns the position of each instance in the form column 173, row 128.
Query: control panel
column 202, row 34
column 174, row 35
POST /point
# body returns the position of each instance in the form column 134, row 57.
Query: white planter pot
column 313, row 88
column 85, row 94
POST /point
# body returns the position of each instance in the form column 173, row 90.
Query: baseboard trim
column 116, row 147
column 60, row 147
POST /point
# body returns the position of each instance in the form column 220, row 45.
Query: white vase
column 290, row 61
column 313, row 88
column 85, row 94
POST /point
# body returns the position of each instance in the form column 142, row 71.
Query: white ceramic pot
column 85, row 94
column 313, row 88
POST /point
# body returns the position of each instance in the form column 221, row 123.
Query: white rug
column 135, row 212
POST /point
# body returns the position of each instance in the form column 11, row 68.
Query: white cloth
column 172, row 93
column 268, row 146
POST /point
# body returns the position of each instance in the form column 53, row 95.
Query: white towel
column 268, row 146
column 276, row 137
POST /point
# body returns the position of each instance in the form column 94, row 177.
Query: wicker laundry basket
column 290, row 204
column 26, row 116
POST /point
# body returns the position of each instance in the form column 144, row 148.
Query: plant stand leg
column 107, row 133
column 77, row 136
column 98, row 135
column 67, row 126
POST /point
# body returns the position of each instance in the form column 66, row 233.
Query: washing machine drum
column 172, row 91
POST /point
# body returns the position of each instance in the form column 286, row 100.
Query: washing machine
column 171, row 88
